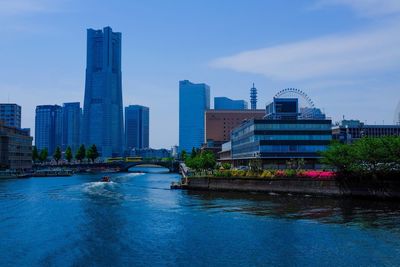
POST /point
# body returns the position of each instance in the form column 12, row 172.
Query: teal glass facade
column 103, row 110
column 194, row 100
column 281, row 139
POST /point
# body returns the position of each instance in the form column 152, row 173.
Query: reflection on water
column 135, row 220
column 361, row 212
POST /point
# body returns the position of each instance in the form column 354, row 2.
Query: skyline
column 352, row 73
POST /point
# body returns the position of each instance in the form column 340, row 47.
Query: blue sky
column 344, row 54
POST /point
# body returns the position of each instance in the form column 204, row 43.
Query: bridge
column 124, row 166
column 121, row 166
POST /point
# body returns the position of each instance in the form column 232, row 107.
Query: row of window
column 292, row 148
column 292, row 137
column 289, row 126
column 255, row 138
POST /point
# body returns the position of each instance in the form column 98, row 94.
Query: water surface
column 137, row 221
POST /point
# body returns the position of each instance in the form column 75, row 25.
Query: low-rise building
column 349, row 131
column 15, row 149
column 283, row 135
column 10, row 115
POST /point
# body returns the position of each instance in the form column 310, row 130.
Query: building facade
column 15, row 149
column 137, row 124
column 281, row 136
column 194, row 100
column 103, row 110
column 351, row 130
column 220, row 123
column 72, row 116
column 48, row 127
column 224, row 103
column 10, row 115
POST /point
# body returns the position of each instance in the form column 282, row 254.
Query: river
column 136, row 220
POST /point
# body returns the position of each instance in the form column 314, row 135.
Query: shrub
column 267, row 174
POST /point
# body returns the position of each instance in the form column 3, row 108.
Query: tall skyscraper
column 224, row 103
column 102, row 112
column 10, row 115
column 48, row 127
column 194, row 100
column 136, row 127
column 253, row 97
column 72, row 116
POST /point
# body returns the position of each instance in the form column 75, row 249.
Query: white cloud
column 330, row 56
column 365, row 8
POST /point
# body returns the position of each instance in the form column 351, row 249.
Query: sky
column 344, row 54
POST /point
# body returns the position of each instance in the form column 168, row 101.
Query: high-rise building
column 72, row 116
column 103, row 111
column 136, row 127
column 253, row 97
column 10, row 115
column 48, row 127
column 194, row 100
column 224, row 103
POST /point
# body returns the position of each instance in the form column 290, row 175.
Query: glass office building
column 10, row 115
column 194, row 100
column 48, row 127
column 72, row 116
column 281, row 136
column 137, row 124
column 103, row 110
column 224, row 103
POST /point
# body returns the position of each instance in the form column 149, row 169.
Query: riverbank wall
column 378, row 189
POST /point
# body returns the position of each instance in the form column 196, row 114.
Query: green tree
column 68, row 154
column 81, row 153
column 373, row 157
column 57, row 154
column 44, row 153
column 92, row 153
column 194, row 153
column 207, row 160
column 202, row 161
column 338, row 155
column 35, row 154
column 183, row 155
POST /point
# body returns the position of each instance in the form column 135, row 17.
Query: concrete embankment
column 379, row 189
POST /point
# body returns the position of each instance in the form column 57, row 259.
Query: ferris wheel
column 304, row 100
column 397, row 114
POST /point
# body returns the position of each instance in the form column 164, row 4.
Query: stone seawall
column 387, row 189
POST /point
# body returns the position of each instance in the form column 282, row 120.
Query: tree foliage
column 92, row 153
column 35, row 154
column 367, row 156
column 204, row 160
column 68, row 154
column 81, row 153
column 44, row 153
column 57, row 154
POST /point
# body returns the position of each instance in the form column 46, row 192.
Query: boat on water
column 105, row 179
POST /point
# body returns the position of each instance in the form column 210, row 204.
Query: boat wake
column 101, row 189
